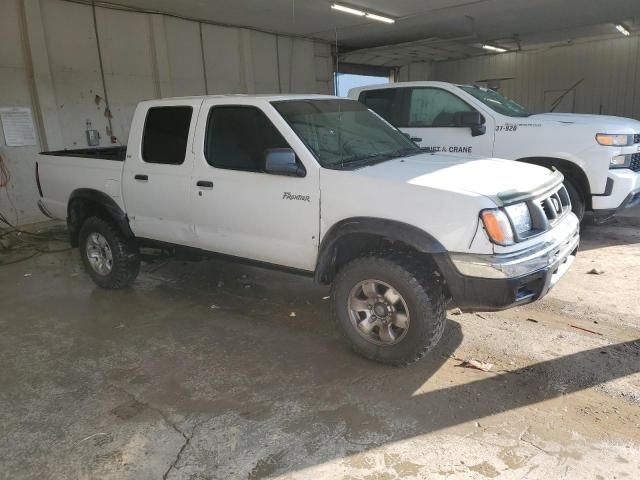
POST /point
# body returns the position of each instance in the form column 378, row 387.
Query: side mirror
column 473, row 120
column 413, row 139
column 282, row 161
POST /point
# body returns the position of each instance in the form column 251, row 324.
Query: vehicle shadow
column 246, row 364
column 392, row 408
column 291, row 378
column 619, row 230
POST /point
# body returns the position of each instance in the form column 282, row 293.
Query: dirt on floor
column 215, row 370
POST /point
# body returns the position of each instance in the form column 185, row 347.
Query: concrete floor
column 214, row 370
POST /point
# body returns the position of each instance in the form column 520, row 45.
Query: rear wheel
column 111, row 259
column 576, row 197
column 388, row 310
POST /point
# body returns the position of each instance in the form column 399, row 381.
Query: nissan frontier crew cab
column 598, row 155
column 325, row 187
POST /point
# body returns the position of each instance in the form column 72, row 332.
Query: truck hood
column 490, row 177
column 602, row 123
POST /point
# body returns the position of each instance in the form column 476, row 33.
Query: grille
column 636, row 138
column 635, row 162
column 545, row 213
column 556, row 205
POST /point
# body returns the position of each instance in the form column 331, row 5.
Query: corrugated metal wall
column 49, row 62
column 415, row 71
column 610, row 69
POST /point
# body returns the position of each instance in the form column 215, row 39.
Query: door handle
column 144, row 178
column 204, row 184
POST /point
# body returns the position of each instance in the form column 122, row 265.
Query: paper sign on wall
column 17, row 124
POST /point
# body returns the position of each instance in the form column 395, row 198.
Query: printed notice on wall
column 17, row 124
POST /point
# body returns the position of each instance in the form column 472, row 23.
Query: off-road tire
column 420, row 289
column 577, row 199
column 126, row 256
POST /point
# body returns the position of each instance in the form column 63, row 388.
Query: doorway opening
column 346, row 81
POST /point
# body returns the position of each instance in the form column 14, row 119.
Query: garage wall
column 49, row 61
column 415, row 71
column 610, row 68
column 16, row 90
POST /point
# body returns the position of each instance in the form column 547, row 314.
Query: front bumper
column 623, row 191
column 498, row 282
column 632, row 200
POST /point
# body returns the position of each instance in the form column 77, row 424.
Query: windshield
column 344, row 133
column 496, row 102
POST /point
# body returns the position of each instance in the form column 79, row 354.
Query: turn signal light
column 497, row 226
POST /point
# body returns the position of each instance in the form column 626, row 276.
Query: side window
column 237, row 137
column 382, row 101
column 165, row 136
column 433, row 107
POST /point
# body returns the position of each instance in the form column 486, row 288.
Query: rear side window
column 383, row 102
column 165, row 136
column 237, row 137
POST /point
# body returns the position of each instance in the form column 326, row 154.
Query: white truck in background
column 598, row 155
column 324, row 187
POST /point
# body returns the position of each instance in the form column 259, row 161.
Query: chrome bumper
column 519, row 263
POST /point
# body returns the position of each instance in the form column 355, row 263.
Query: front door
column 238, row 208
column 429, row 116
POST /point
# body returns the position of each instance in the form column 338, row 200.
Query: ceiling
column 430, row 29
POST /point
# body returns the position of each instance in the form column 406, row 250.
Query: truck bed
column 64, row 171
column 105, row 153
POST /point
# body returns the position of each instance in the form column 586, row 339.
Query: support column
column 246, row 60
column 162, row 67
column 45, row 105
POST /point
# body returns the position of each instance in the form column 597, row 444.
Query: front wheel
column 111, row 259
column 388, row 310
column 576, row 198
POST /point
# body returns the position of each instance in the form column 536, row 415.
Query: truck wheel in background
column 388, row 309
column 111, row 259
column 576, row 197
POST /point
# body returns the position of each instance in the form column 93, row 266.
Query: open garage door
column 350, row 75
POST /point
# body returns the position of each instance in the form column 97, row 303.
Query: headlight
column 497, row 226
column 620, row 161
column 614, row 140
column 520, row 217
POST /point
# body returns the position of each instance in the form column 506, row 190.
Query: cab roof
column 270, row 97
column 420, row 83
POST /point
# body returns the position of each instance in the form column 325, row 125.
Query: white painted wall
column 610, row 68
column 16, row 201
column 49, row 62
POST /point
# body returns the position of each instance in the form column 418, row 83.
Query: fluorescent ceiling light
column 494, row 49
column 342, row 8
column 380, row 18
column 362, row 13
column 623, row 30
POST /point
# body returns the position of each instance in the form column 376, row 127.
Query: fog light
column 620, row 161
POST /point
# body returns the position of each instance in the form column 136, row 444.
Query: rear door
column 427, row 113
column 157, row 173
column 238, row 208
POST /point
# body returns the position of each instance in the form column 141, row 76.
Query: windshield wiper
column 366, row 158
column 374, row 158
column 363, row 160
column 406, row 152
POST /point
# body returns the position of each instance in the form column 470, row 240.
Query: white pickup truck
column 598, row 155
column 322, row 186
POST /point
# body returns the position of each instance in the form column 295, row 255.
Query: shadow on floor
column 622, row 230
column 213, row 347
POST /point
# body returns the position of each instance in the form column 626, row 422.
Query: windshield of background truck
column 496, row 102
column 344, row 133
